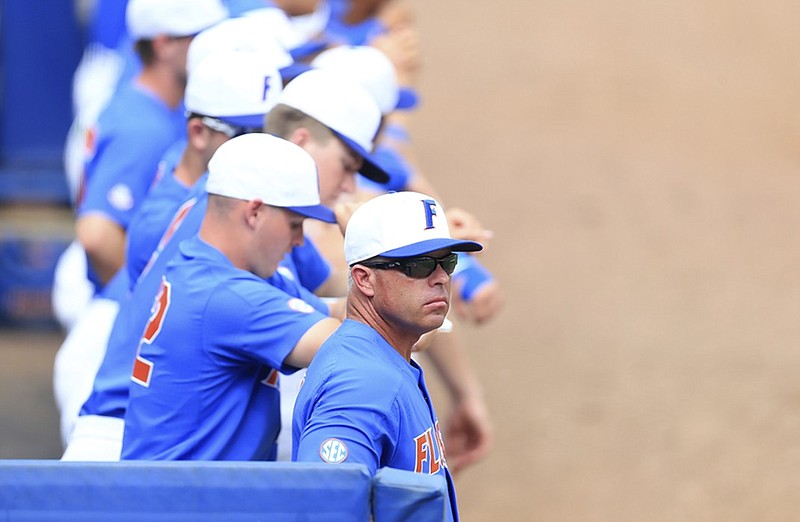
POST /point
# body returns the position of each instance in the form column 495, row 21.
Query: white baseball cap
column 149, row 18
column 265, row 167
column 275, row 22
column 400, row 224
column 342, row 105
column 237, row 87
column 371, row 68
column 238, row 34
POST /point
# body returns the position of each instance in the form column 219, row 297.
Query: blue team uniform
column 151, row 220
column 338, row 32
column 205, row 379
column 310, row 268
column 362, row 402
column 109, row 395
column 125, row 146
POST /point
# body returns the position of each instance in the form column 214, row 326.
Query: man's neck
column 190, row 167
column 162, row 84
column 399, row 339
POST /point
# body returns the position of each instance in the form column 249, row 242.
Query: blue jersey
column 338, row 32
column 123, row 151
column 109, row 395
column 205, row 379
column 363, row 402
column 118, row 288
column 151, row 220
column 310, row 268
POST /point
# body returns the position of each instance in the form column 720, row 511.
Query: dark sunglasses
column 417, row 267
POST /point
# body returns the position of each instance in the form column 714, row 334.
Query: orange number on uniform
column 142, row 368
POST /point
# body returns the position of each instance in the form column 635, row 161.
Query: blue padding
column 33, row 185
column 400, row 495
column 176, row 491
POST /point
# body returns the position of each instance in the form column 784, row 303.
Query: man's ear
column 300, row 137
column 198, row 134
column 364, row 279
column 252, row 210
column 160, row 42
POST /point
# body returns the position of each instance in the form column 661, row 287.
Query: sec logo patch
column 298, row 305
column 121, row 197
column 333, row 451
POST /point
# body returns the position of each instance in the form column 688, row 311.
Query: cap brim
column 308, row 49
column 370, row 169
column 408, row 98
column 293, row 70
column 431, row 245
column 319, row 212
column 249, row 121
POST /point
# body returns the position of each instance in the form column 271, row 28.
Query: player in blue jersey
column 227, row 94
column 205, row 375
column 137, row 126
column 98, row 431
column 475, row 292
column 123, row 147
column 141, row 120
column 364, row 399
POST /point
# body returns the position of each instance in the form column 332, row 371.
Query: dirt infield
column 639, row 164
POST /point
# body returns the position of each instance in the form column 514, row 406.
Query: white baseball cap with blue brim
column 257, row 34
column 371, row 68
column 146, row 19
column 345, row 107
column 400, row 224
column 237, row 87
column 265, row 167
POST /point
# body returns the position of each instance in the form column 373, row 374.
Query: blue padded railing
column 50, row 490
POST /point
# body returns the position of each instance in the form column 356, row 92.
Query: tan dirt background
column 638, row 162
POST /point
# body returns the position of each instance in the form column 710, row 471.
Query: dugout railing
column 50, row 490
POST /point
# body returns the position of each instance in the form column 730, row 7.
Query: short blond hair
column 283, row 120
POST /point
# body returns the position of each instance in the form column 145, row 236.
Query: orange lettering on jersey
column 436, row 460
column 271, row 379
column 440, row 443
column 430, row 451
column 89, row 141
column 423, row 447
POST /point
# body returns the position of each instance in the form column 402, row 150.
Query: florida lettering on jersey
column 430, row 452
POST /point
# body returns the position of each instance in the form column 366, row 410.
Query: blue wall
column 40, row 46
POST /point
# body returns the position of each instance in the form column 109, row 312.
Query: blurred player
column 225, row 97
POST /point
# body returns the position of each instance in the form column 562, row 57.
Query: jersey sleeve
column 312, row 268
column 266, row 327
column 149, row 223
column 120, row 175
column 348, row 423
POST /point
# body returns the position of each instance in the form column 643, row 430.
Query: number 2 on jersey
column 142, row 368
